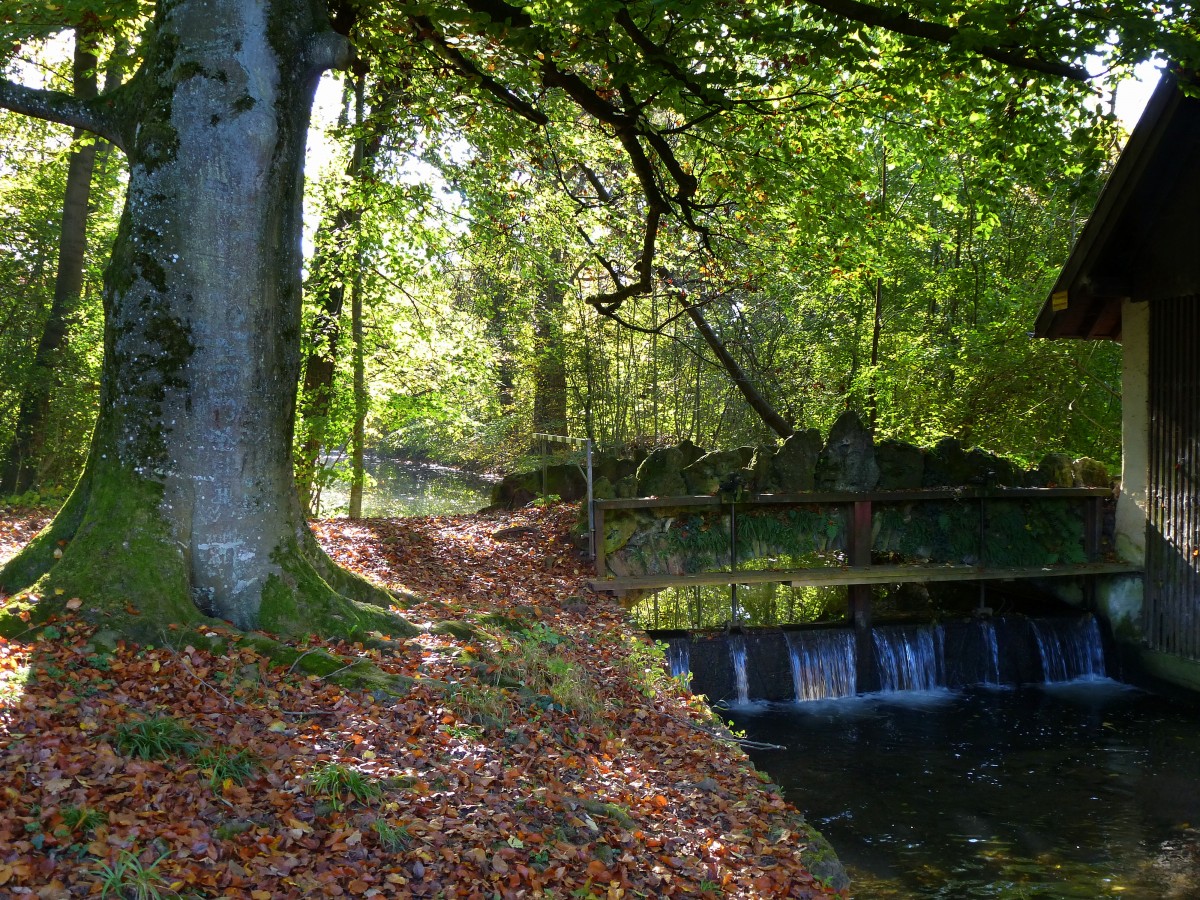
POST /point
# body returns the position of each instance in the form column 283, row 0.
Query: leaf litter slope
column 540, row 752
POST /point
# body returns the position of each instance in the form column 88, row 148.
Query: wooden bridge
column 859, row 572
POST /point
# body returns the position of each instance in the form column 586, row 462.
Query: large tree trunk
column 19, row 463
column 188, row 503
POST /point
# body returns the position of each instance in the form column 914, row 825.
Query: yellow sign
column 1058, row 301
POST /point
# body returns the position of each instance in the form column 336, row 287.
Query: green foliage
column 159, row 737
column 479, row 703
column 224, row 764
column 82, row 820
column 340, row 784
column 646, row 662
column 392, row 838
column 130, row 879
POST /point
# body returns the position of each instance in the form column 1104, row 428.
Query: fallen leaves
column 478, row 787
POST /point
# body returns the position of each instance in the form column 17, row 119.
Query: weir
column 804, row 664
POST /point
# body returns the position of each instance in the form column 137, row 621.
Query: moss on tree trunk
column 187, row 514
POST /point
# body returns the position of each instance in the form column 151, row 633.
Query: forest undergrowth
column 542, row 750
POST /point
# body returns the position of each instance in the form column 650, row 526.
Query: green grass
column 159, row 737
column 129, row 878
column 392, row 838
column 340, row 784
column 82, row 820
column 223, row 764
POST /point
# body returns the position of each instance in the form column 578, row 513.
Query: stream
column 1083, row 789
column 398, row 488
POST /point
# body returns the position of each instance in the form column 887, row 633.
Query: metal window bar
column 544, row 441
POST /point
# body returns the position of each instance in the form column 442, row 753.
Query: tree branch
column 65, row 109
column 900, row 22
column 428, row 32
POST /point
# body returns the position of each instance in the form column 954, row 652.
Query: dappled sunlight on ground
column 540, row 750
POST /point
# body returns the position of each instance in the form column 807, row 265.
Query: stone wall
column 680, row 540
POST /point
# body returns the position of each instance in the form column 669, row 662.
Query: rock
column 847, row 462
column 757, row 474
column 518, row 489
column 946, row 465
column 793, row 467
column 1055, row 470
column 986, row 468
column 1088, row 472
column 627, row 486
column 660, row 474
column 901, row 465
column 706, row 474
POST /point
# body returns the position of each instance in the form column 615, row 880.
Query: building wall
column 1133, row 502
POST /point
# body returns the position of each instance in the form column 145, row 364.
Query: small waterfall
column 991, row 646
column 679, row 657
column 824, row 663
column 910, row 658
column 737, row 652
column 1069, row 648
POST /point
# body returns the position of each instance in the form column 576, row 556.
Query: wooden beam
column 849, row 575
column 813, row 497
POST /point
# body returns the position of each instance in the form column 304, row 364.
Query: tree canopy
column 713, row 148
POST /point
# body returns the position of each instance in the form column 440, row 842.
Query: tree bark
column 187, row 507
column 358, row 437
column 550, row 377
column 19, row 467
column 770, row 417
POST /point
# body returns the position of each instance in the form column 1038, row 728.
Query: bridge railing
column 859, row 572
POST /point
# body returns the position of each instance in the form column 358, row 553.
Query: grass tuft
column 224, row 764
column 340, row 784
column 160, row 737
column 392, row 838
column 129, row 878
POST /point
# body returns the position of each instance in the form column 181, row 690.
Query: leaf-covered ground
column 542, row 751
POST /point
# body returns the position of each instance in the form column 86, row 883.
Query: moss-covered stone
column 901, row 465
column 661, row 473
column 709, row 472
column 1087, row 472
column 793, row 467
column 847, row 461
column 1055, row 470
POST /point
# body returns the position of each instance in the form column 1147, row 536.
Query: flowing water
column 396, row 488
column 1082, row 789
column 737, row 652
column 823, row 663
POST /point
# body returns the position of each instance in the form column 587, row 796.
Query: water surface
column 396, row 488
column 1087, row 789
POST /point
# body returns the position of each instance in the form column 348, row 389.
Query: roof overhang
column 1103, row 269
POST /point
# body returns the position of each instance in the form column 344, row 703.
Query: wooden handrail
column 905, row 496
column 862, row 501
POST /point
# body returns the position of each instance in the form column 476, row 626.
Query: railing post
column 591, row 501
column 599, row 534
column 858, row 552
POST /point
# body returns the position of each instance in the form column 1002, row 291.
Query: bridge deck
column 853, row 575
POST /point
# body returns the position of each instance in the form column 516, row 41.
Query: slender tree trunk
column 358, row 437
column 19, row 467
column 550, row 378
column 877, row 321
column 770, row 417
column 188, row 502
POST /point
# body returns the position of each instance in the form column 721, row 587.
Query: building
column 1134, row 276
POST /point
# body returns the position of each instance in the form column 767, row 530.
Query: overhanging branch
column 900, row 22
column 65, row 109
